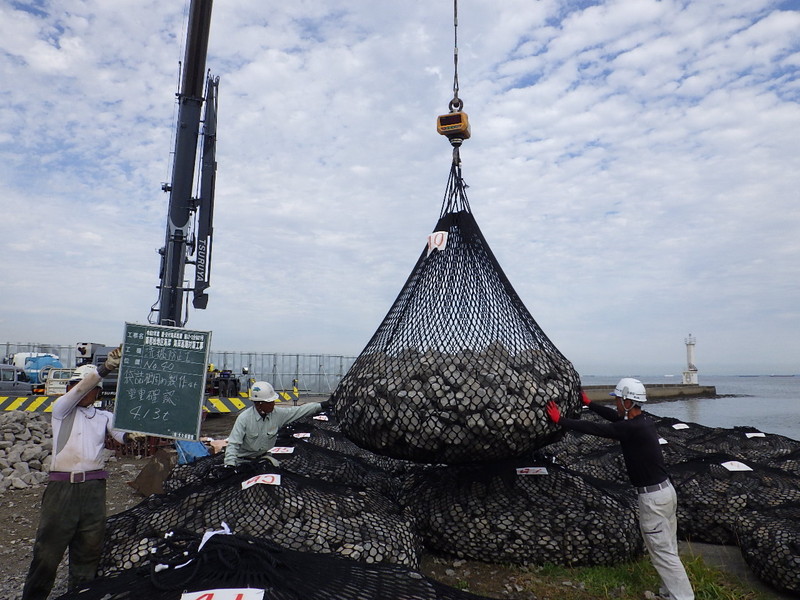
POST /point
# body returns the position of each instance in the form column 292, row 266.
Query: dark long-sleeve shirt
column 638, row 439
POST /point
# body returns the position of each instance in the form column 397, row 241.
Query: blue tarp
column 189, row 451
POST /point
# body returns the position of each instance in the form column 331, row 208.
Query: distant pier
column 657, row 391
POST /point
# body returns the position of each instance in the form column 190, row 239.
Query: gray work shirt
column 252, row 435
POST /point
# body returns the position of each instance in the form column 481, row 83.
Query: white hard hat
column 263, row 392
column 629, row 388
column 80, row 372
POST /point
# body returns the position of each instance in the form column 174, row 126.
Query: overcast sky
column 633, row 166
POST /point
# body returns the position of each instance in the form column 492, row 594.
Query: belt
column 77, row 476
column 653, row 488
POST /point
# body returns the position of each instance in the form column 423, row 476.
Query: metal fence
column 315, row 373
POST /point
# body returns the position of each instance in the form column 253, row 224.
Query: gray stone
column 30, row 452
column 18, row 483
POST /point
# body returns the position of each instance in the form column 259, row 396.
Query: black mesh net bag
column 458, row 371
column 521, row 512
column 713, row 492
column 770, row 543
column 326, row 434
column 787, row 462
column 748, row 443
column 301, row 513
column 177, row 562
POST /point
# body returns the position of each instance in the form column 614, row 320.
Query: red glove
column 585, row 399
column 553, row 412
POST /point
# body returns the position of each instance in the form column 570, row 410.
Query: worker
column 73, row 508
column 644, row 464
column 256, row 427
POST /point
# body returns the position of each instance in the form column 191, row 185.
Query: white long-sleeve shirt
column 83, row 450
column 252, row 435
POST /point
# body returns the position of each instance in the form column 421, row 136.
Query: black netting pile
column 176, row 564
column 684, row 441
column 590, row 455
column 495, row 512
column 375, row 513
column 711, row 497
column 690, row 440
column 786, row 462
column 302, row 513
column 770, row 544
column 326, row 434
column 458, row 371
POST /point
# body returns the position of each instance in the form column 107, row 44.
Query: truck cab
column 14, row 380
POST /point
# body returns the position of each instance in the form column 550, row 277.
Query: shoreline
column 656, row 391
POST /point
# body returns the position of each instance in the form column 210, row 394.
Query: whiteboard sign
column 161, row 381
column 302, row 435
column 281, row 450
column 680, row 426
column 264, row 479
column 320, row 417
column 754, row 434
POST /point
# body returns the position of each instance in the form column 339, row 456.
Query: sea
column 770, row 403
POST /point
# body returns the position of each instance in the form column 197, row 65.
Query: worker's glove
column 111, row 363
column 552, row 412
column 326, row 405
column 132, row 438
column 585, row 399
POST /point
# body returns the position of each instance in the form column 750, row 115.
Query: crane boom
column 181, row 203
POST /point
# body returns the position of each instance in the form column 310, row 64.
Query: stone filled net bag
column 770, row 543
column 176, row 564
column 458, row 371
column 713, row 491
column 299, row 513
column 523, row 511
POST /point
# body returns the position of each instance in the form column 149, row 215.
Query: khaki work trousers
column 73, row 516
column 659, row 527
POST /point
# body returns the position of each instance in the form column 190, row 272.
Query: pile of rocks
column 25, row 445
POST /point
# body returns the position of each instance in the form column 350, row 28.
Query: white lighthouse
column 690, row 374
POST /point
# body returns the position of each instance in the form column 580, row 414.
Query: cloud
column 631, row 166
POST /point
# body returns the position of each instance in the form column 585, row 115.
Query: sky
column 633, row 166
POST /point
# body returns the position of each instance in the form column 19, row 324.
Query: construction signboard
column 161, row 383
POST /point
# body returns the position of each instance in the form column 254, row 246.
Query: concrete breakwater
column 656, row 391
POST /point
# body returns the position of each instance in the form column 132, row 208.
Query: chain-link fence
column 315, row 373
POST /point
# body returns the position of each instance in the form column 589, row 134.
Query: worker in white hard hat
column 73, row 508
column 256, row 428
column 644, row 463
